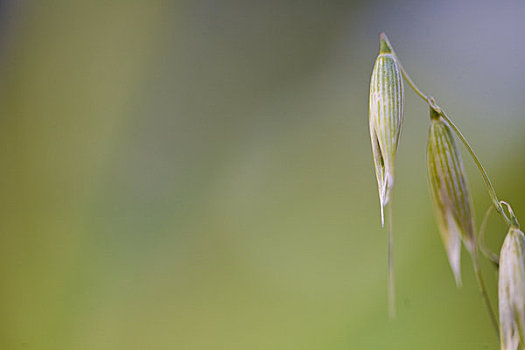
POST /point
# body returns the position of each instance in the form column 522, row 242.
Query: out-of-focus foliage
column 198, row 174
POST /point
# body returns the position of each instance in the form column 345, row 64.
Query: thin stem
column 391, row 284
column 430, row 101
column 410, row 81
column 484, row 293
column 488, row 254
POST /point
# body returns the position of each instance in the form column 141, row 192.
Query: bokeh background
column 198, row 174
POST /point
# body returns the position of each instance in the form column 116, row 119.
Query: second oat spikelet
column 450, row 193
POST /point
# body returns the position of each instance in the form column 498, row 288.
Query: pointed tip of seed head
column 459, row 283
column 455, row 262
column 384, row 44
column 382, row 215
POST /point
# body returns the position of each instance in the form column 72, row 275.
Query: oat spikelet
column 385, row 118
column 511, row 289
column 450, row 193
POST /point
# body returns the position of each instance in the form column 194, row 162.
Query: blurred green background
column 198, row 174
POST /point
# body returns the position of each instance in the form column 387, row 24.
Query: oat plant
column 450, row 195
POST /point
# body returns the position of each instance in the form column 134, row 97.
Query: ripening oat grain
column 511, row 289
column 450, row 192
column 385, row 118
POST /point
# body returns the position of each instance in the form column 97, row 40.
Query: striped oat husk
column 385, row 118
column 450, row 193
column 511, row 289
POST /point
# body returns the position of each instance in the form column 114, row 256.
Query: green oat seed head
column 450, row 193
column 385, row 118
column 511, row 289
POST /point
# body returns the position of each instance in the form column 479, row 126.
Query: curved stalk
column 488, row 254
